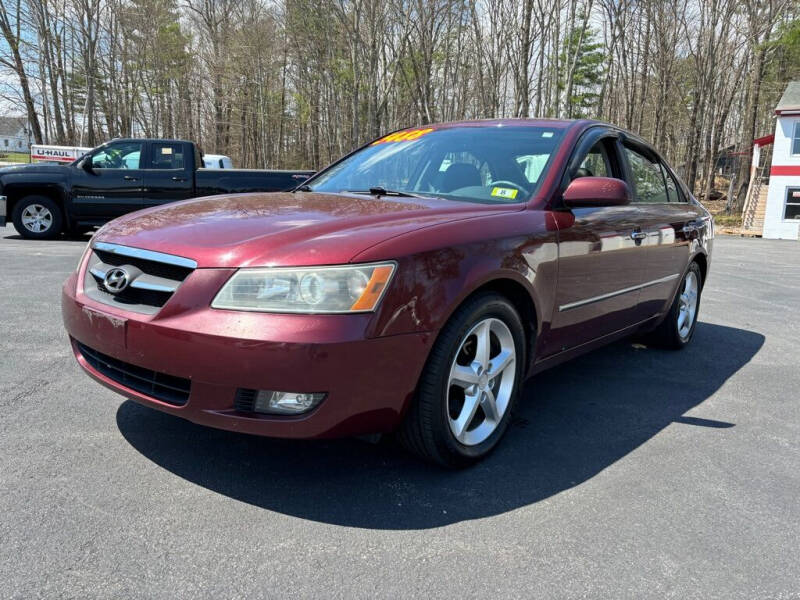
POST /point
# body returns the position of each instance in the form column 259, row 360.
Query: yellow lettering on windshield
column 408, row 135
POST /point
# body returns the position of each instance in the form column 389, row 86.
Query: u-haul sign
column 63, row 154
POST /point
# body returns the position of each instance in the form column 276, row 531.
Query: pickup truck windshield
column 487, row 165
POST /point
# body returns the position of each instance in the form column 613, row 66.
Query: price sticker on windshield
column 502, row 192
column 407, row 135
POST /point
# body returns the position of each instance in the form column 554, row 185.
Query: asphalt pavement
column 628, row 473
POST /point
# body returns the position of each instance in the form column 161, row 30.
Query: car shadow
column 573, row 421
column 65, row 237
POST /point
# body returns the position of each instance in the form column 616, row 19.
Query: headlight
column 347, row 289
column 86, row 251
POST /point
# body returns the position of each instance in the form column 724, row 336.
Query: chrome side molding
column 616, row 293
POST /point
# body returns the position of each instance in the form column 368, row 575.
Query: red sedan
column 410, row 287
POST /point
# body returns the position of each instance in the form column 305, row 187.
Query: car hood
column 35, row 168
column 282, row 229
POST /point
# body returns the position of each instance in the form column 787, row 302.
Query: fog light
column 285, row 403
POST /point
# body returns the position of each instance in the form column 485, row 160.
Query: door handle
column 130, row 178
column 692, row 230
column 691, row 227
column 179, row 179
column 638, row 235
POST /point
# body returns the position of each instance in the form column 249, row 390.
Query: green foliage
column 589, row 70
column 163, row 53
column 785, row 65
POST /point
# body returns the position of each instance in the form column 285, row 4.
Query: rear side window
column 167, row 156
column 648, row 179
column 674, row 193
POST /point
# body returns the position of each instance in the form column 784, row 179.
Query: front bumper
column 368, row 381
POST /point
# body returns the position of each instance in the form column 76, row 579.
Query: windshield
column 489, row 165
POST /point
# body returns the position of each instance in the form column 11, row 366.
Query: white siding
column 775, row 226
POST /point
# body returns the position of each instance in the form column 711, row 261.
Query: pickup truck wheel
column 38, row 218
column 469, row 385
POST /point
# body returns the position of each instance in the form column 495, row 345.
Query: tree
column 586, row 59
column 11, row 26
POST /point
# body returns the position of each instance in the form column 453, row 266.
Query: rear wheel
column 677, row 328
column 37, row 217
column 469, row 385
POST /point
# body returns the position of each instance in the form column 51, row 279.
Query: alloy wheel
column 481, row 381
column 37, row 218
column 687, row 304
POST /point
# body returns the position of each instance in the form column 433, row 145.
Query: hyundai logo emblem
column 116, row 280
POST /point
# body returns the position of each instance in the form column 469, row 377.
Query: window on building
column 6, row 143
column 796, row 138
column 791, row 210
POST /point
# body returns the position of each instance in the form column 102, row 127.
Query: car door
column 110, row 184
column 169, row 174
column 666, row 221
column 599, row 262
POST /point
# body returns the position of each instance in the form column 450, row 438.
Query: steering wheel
column 506, row 183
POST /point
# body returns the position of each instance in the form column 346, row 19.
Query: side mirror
column 86, row 165
column 587, row 192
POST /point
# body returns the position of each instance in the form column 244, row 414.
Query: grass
column 19, row 157
column 725, row 220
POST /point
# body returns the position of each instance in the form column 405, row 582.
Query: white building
column 782, row 215
column 14, row 135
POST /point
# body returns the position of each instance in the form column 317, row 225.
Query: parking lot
column 630, row 472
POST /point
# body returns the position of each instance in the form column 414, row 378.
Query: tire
column 457, row 392
column 37, row 218
column 673, row 332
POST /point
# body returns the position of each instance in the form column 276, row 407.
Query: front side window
column 167, row 156
column 488, row 165
column 118, row 155
column 596, row 163
column 648, row 178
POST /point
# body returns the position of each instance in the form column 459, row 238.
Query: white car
column 217, row 161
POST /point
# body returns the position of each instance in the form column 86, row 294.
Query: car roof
column 131, row 139
column 563, row 124
column 511, row 122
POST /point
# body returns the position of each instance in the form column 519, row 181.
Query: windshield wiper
column 303, row 188
column 382, row 191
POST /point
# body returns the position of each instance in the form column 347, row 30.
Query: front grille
column 151, row 267
column 154, row 276
column 132, row 298
column 163, row 387
column 245, row 400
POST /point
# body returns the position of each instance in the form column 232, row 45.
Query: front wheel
column 38, row 218
column 677, row 328
column 469, row 385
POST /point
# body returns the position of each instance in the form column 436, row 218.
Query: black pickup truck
column 119, row 177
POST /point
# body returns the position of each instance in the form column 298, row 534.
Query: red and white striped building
column 782, row 215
